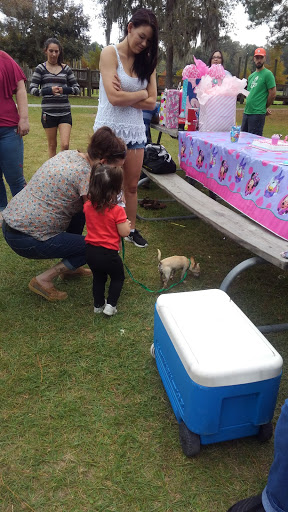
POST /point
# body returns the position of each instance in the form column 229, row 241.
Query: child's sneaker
column 100, row 309
column 136, row 238
column 109, row 310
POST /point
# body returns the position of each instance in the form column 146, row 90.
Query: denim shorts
column 137, row 145
column 54, row 121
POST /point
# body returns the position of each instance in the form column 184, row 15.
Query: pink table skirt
column 253, row 181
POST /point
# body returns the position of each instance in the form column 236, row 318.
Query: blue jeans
column 253, row 123
column 275, row 494
column 11, row 163
column 70, row 246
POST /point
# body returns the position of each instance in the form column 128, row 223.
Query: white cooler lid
column 217, row 344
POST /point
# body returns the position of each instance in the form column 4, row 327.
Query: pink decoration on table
column 217, row 71
column 190, row 71
column 230, row 86
column 201, row 67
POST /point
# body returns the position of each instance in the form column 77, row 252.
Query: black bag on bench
column 157, row 160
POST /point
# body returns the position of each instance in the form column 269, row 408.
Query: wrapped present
column 218, row 104
column 162, row 111
column 172, row 108
column 218, row 114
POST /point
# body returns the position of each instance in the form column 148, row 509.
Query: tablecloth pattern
column 251, row 180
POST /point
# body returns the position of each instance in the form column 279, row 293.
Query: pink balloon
column 264, row 163
column 238, row 156
column 250, row 170
column 232, row 185
column 268, row 205
column 274, row 168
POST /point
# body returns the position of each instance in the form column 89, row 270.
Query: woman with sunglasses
column 46, row 220
column 127, row 86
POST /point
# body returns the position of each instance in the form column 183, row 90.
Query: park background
column 86, row 425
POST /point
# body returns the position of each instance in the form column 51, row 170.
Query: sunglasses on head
column 122, row 154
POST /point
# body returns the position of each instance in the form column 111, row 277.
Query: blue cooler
column 220, row 373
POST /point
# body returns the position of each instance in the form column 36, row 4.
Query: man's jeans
column 11, row 163
column 68, row 246
column 253, row 123
column 275, row 494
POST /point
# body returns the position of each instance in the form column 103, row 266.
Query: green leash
column 143, row 285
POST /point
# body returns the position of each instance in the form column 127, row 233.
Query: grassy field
column 86, row 424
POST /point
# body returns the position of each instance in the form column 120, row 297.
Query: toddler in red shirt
column 106, row 222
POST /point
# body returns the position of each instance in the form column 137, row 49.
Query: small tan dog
column 168, row 267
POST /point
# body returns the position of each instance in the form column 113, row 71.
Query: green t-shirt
column 258, row 84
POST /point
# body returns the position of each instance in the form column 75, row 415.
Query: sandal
column 50, row 294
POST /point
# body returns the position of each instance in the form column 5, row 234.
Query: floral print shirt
column 44, row 208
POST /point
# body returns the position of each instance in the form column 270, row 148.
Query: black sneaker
column 253, row 504
column 136, row 238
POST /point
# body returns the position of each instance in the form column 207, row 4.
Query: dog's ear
column 196, row 269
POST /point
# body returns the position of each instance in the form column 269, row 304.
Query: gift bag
column 162, row 112
column 172, row 108
column 218, row 114
column 189, row 96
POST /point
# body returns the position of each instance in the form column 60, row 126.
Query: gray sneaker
column 136, row 238
column 110, row 310
column 100, row 309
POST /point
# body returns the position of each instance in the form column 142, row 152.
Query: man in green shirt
column 262, row 92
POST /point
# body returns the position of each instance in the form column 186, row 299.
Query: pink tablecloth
column 253, row 181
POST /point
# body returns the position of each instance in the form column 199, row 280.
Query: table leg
column 234, row 273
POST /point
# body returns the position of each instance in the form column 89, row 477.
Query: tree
column 180, row 22
column 28, row 23
column 91, row 55
column 274, row 12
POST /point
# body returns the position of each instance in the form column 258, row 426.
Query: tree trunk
column 169, row 66
column 169, row 46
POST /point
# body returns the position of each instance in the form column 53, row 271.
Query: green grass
column 86, row 425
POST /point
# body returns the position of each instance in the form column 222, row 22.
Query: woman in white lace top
column 127, row 86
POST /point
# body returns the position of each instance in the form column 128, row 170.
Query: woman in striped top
column 54, row 80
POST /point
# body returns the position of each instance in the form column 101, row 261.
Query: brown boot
column 50, row 294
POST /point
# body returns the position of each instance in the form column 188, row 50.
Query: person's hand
column 268, row 112
column 23, row 127
column 116, row 82
column 57, row 90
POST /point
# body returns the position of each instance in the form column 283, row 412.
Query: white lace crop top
column 127, row 122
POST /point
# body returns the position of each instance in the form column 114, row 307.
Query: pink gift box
column 172, row 108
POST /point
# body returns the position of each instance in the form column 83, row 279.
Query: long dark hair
column 104, row 186
column 53, row 40
column 210, row 60
column 104, row 144
column 146, row 61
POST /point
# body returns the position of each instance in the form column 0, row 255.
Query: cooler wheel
column 265, row 432
column 190, row 442
column 152, row 350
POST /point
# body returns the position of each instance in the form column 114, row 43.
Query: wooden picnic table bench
column 239, row 228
